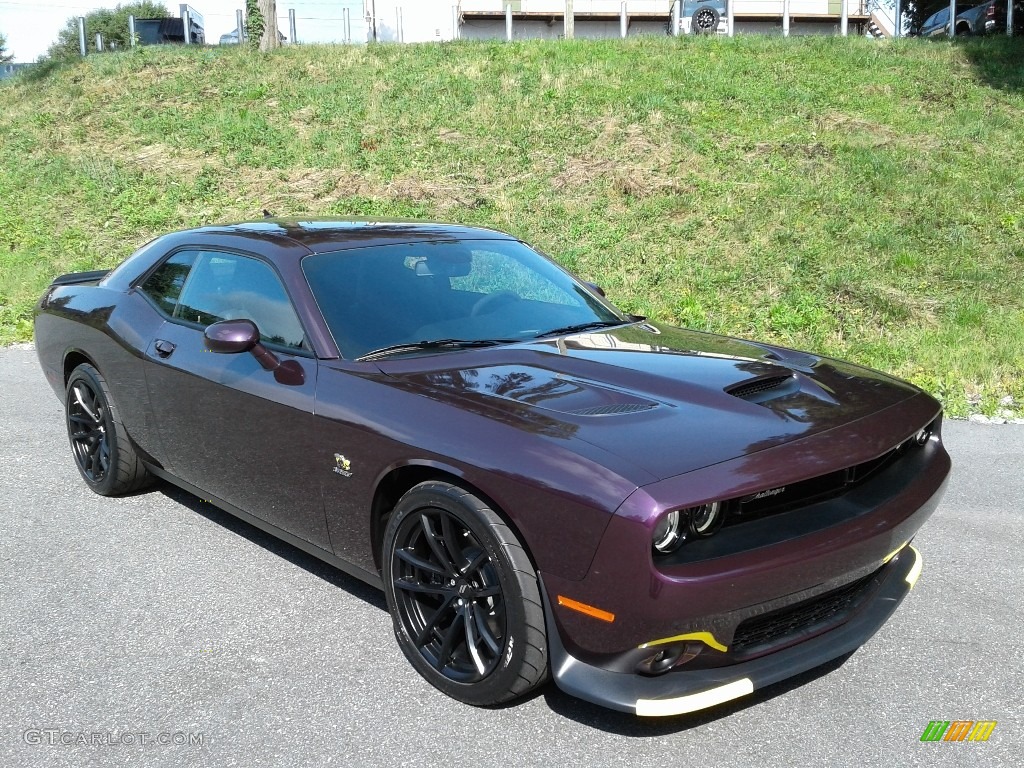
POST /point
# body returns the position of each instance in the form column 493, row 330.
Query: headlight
column 669, row 533
column 705, row 519
column 677, row 526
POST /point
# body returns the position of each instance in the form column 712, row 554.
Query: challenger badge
column 342, row 465
column 765, row 494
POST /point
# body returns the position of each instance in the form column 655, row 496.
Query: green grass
column 856, row 198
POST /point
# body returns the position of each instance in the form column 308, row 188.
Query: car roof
column 322, row 235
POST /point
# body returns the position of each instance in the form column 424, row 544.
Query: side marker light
column 589, row 610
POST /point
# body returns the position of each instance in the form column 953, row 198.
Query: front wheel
column 463, row 596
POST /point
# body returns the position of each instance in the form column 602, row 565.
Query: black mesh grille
column 806, row 618
column 751, row 389
column 613, row 409
column 806, row 492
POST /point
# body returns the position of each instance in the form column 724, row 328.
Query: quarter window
column 164, row 286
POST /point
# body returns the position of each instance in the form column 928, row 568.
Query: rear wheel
column 99, row 442
column 463, row 596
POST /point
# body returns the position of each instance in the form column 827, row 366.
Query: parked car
column 163, row 31
column 987, row 18
column 231, row 38
column 543, row 485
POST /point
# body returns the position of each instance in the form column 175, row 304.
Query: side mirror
column 232, row 336
column 595, row 288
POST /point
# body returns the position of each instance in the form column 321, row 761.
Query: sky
column 30, row 26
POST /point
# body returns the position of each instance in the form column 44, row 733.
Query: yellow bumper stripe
column 915, row 570
column 705, row 637
column 695, row 701
column 895, row 552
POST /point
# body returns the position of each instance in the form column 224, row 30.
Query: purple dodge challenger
column 659, row 519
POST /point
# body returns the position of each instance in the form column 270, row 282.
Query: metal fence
column 404, row 21
column 9, row 69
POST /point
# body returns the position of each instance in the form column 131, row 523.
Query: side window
column 164, row 285
column 226, row 286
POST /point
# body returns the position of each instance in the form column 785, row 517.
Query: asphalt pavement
column 156, row 630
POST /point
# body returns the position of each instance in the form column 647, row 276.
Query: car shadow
column 569, row 707
column 282, row 549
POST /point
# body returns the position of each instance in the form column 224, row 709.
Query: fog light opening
column 664, row 660
column 669, row 657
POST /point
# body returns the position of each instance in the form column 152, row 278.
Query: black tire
column 463, row 596
column 705, row 20
column 100, row 445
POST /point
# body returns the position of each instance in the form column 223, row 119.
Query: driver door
column 227, row 425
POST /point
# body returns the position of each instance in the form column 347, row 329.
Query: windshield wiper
column 413, row 346
column 593, row 325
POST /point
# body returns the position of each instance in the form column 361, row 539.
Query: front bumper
column 681, row 691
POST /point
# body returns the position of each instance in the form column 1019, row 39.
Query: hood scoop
column 762, row 388
column 535, row 387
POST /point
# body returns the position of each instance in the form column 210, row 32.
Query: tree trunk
column 270, row 40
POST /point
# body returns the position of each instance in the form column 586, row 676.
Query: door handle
column 163, row 348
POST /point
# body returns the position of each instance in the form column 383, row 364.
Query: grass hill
column 857, row 198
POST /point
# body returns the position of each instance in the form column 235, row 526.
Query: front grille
column 804, row 492
column 801, row 620
column 754, row 389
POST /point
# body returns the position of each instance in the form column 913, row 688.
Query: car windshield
column 410, row 296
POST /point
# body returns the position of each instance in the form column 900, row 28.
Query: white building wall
column 638, row 6
column 433, row 20
column 558, row 6
column 421, row 20
column 318, row 22
column 795, row 28
column 540, row 30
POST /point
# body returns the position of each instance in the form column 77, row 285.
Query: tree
column 270, row 35
column 111, row 24
column 254, row 22
column 4, row 56
column 262, row 33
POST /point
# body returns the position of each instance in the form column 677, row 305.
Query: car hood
column 663, row 400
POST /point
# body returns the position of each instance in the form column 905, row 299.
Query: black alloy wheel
column 103, row 452
column 463, row 596
column 88, row 424
column 705, row 20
